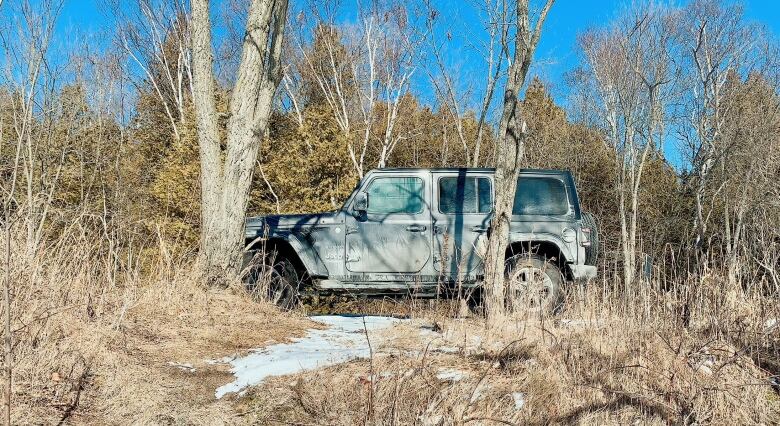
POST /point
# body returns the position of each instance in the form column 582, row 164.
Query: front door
column 463, row 202
column 393, row 236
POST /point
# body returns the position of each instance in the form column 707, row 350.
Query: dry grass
column 613, row 360
column 99, row 337
column 113, row 336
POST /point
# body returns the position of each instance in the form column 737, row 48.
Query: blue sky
column 556, row 54
column 557, row 51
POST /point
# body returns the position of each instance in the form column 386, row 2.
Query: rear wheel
column 534, row 284
column 276, row 282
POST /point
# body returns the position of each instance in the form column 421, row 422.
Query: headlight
column 569, row 235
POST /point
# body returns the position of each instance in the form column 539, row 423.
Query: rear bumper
column 583, row 272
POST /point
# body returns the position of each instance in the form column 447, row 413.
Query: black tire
column 546, row 296
column 276, row 282
column 592, row 252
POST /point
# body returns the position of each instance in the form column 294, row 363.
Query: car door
column 463, row 204
column 393, row 234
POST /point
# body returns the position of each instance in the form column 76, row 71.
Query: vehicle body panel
column 422, row 246
column 390, row 243
column 456, row 235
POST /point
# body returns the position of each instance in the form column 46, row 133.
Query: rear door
column 463, row 204
column 393, row 236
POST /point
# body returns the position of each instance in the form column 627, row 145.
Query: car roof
column 465, row 169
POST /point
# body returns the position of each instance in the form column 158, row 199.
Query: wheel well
column 282, row 250
column 545, row 249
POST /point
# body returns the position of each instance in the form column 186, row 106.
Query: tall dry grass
column 100, row 322
column 687, row 352
column 101, row 325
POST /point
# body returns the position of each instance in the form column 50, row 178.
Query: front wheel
column 276, row 282
column 534, row 285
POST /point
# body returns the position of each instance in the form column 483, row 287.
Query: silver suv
column 421, row 230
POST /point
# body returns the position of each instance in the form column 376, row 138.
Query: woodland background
column 109, row 138
column 99, row 166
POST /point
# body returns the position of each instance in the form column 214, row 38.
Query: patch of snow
column 519, row 399
column 477, row 395
column 434, row 420
column 183, row 366
column 451, row 375
column 582, row 323
column 223, row 360
column 447, row 349
column 342, row 341
column 770, row 324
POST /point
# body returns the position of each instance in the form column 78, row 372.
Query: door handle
column 416, row 228
column 478, row 229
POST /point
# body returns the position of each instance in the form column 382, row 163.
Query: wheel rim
column 530, row 287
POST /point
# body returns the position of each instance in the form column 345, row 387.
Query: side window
column 540, row 196
column 460, row 194
column 395, row 195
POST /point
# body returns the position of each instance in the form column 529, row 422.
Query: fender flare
column 524, row 237
column 306, row 254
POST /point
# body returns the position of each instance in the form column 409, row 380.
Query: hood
column 298, row 222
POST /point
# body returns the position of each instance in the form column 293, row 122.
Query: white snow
column 342, row 341
column 183, row 366
column 477, row 395
column 223, row 360
column 519, row 399
column 447, row 349
column 451, row 375
column 770, row 324
column 582, row 322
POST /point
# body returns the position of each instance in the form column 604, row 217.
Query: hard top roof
column 465, row 169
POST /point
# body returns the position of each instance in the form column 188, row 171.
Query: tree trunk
column 509, row 155
column 8, row 337
column 225, row 185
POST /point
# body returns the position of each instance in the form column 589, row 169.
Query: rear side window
column 395, row 195
column 540, row 196
column 461, row 194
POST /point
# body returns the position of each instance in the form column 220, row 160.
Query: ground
column 187, row 355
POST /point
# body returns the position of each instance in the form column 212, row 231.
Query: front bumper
column 583, row 272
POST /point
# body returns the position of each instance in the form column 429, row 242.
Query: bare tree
column 630, row 65
column 25, row 53
column 511, row 134
column 156, row 38
column 494, row 51
column 225, row 183
column 357, row 68
column 716, row 44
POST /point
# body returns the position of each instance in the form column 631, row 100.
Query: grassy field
column 103, row 338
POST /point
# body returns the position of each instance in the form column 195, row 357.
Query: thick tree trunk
column 509, row 155
column 225, row 185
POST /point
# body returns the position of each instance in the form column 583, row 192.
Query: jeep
column 417, row 231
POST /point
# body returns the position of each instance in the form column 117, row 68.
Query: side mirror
column 361, row 202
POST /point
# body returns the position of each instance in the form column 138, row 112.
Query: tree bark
column 8, row 338
column 225, row 184
column 511, row 134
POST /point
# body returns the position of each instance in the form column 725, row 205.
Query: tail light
column 585, row 237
